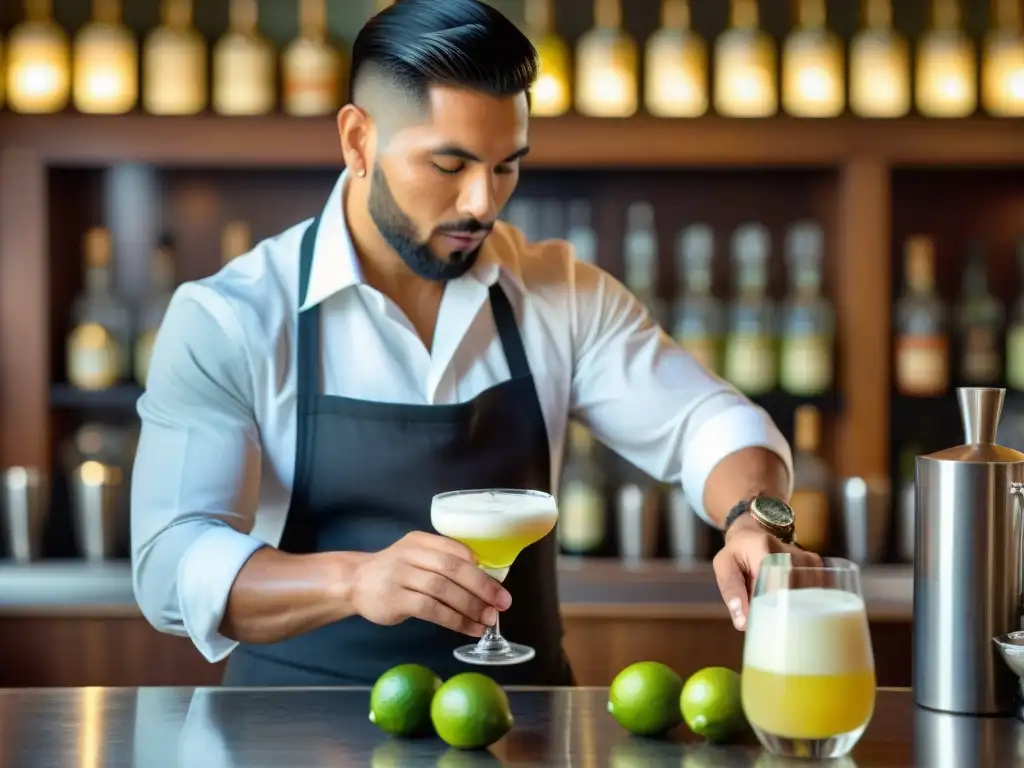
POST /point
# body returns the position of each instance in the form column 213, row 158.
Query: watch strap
column 741, row 507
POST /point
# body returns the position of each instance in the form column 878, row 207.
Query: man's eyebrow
column 464, row 154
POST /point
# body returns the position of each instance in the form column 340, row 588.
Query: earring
column 361, row 173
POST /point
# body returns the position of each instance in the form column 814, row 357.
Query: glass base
column 822, row 749
column 496, row 652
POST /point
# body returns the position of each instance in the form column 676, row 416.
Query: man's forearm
column 741, row 475
column 278, row 595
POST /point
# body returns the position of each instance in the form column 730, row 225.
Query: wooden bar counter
column 219, row 727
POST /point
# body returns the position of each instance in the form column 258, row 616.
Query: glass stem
column 491, row 638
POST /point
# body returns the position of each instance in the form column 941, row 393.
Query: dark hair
column 462, row 43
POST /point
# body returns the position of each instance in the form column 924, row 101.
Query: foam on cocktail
column 808, row 668
column 497, row 526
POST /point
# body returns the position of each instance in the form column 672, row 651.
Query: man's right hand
column 427, row 577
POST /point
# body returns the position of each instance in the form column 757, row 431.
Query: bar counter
column 307, row 728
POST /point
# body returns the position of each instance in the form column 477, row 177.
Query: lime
column 470, row 711
column 711, row 704
column 400, row 700
column 644, row 698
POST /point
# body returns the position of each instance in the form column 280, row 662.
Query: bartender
column 306, row 402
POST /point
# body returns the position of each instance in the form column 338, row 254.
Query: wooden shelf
column 122, row 397
column 568, row 142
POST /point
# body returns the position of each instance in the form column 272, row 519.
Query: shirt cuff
column 206, row 574
column 739, row 427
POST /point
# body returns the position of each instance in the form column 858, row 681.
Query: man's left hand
column 737, row 564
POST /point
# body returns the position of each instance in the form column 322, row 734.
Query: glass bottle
column 38, row 62
column 606, row 65
column 161, row 289
column 808, row 320
column 698, row 324
column 314, row 69
column 812, row 482
column 174, row 64
column 640, row 258
column 236, row 239
column 750, row 359
column 676, row 66
column 551, row 95
column 945, row 75
column 981, row 322
column 922, row 336
column 244, row 76
column 105, row 63
column 813, row 69
column 582, row 509
column 879, row 66
column 1002, row 65
column 99, row 343
column 745, row 65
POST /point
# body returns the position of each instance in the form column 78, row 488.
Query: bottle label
column 312, row 84
column 93, row 357
column 244, row 80
column 922, row 365
column 1015, row 357
column 581, row 517
column 175, row 79
column 981, row 363
column 750, row 363
column 143, row 354
column 703, row 349
column 810, row 509
column 806, row 368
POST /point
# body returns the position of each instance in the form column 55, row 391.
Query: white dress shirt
column 216, row 455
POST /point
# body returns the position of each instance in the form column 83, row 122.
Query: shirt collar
column 336, row 266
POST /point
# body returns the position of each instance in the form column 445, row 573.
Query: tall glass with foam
column 808, row 680
column 496, row 524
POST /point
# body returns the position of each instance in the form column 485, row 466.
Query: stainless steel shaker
column 96, row 510
column 967, row 565
column 25, row 506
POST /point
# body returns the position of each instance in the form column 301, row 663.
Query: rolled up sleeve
column 648, row 400
column 195, row 484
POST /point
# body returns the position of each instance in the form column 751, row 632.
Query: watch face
column 775, row 512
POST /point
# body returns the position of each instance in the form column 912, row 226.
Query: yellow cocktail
column 496, row 524
column 808, row 681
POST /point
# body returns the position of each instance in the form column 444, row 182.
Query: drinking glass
column 808, row 682
column 496, row 524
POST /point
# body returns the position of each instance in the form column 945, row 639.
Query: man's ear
column 355, row 129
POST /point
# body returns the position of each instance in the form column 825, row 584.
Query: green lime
column 470, row 711
column 711, row 704
column 400, row 700
column 644, row 698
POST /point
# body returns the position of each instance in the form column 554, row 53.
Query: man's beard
column 399, row 232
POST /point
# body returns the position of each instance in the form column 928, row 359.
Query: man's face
column 438, row 185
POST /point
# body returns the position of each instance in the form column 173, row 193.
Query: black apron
column 365, row 474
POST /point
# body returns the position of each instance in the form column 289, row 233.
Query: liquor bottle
column 582, row 511
column 105, row 63
column 698, row 323
column 745, row 65
column 640, row 257
column 314, row 69
column 922, row 340
column 38, row 62
column 946, row 73
column 981, row 321
column 1002, row 65
column 1015, row 329
column 879, row 66
column 174, row 64
column 813, row 70
column 606, row 65
column 812, row 481
column 676, row 67
column 99, row 343
column 750, row 359
column 808, row 320
column 243, row 65
column 581, row 234
column 161, row 288
column 551, row 94
column 235, row 240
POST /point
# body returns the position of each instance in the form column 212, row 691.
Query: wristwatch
column 772, row 514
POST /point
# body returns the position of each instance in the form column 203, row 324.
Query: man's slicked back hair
column 416, row 44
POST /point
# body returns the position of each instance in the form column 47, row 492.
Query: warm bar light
column 38, row 65
column 813, row 82
column 551, row 94
column 745, row 66
column 1002, row 65
column 879, row 66
column 105, row 63
column 606, row 66
column 174, row 64
column 676, row 67
column 946, row 71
